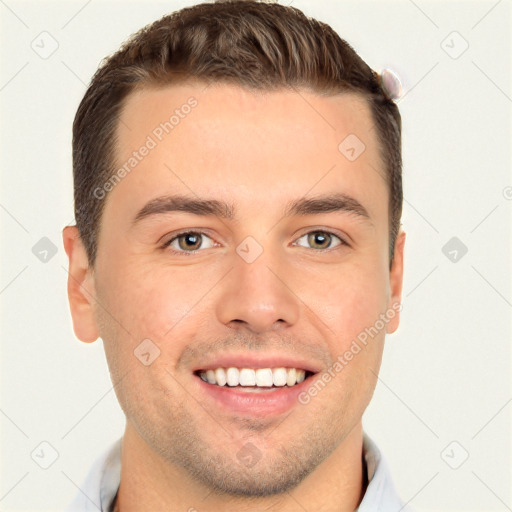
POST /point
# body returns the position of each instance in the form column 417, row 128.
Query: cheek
column 144, row 302
column 348, row 302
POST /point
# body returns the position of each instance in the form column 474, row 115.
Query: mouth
column 254, row 379
column 261, row 391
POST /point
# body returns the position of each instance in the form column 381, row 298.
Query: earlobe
column 81, row 290
column 396, row 275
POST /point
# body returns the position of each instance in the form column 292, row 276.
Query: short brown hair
column 244, row 42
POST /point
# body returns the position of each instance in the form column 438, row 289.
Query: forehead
column 249, row 144
column 293, row 114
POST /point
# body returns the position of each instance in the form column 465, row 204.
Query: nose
column 258, row 296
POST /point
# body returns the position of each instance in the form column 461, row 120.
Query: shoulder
column 101, row 483
column 381, row 494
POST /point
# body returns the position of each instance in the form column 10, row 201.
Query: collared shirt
column 102, row 483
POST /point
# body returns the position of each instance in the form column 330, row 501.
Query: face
column 285, row 267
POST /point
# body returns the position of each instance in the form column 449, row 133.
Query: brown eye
column 189, row 242
column 321, row 240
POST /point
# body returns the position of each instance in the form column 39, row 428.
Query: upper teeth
column 261, row 377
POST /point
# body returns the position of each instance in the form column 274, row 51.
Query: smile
column 254, row 378
column 253, row 392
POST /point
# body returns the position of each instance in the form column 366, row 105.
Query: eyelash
column 167, row 244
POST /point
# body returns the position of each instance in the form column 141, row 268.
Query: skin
column 257, row 151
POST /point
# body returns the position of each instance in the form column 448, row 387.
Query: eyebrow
column 326, row 204
column 180, row 203
column 212, row 207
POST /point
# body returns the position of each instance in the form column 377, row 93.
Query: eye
column 188, row 242
column 321, row 240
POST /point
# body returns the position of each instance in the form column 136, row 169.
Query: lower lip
column 261, row 404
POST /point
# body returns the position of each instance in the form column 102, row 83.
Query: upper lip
column 257, row 361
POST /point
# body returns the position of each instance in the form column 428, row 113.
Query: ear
column 81, row 290
column 396, row 275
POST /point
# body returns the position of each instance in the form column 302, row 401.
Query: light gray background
column 446, row 372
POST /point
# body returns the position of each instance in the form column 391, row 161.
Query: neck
column 149, row 483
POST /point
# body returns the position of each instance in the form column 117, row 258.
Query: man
column 237, row 172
